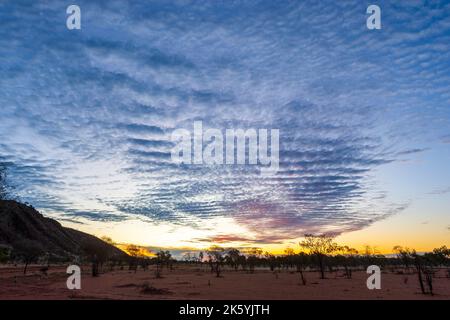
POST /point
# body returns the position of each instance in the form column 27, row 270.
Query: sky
column 86, row 118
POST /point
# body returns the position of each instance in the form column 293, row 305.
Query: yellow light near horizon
column 383, row 235
column 163, row 235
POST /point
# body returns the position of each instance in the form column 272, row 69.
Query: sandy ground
column 191, row 282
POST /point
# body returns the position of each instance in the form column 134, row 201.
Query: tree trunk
column 218, row 270
column 348, row 272
column 419, row 273
column 429, row 280
column 322, row 273
column 95, row 269
column 303, row 278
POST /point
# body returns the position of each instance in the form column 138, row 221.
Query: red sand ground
column 187, row 282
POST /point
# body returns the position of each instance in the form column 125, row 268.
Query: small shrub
column 148, row 289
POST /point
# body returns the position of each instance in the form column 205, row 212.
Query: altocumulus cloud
column 86, row 115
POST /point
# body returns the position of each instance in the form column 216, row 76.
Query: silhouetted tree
column 216, row 258
column 44, row 269
column 347, row 259
column 97, row 253
column 163, row 258
column 319, row 246
column 253, row 256
column 289, row 257
column 271, row 260
column 404, row 255
column 232, row 258
column 418, row 262
column 168, row 259
column 422, row 264
column 243, row 262
column 159, row 263
column 324, row 252
column 439, row 256
column 301, row 261
column 28, row 251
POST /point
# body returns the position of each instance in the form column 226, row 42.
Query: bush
column 5, row 253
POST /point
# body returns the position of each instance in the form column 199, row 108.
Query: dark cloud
column 226, row 238
column 140, row 128
column 412, row 151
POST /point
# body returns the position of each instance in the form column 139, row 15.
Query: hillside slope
column 21, row 225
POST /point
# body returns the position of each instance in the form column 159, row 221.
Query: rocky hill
column 22, row 228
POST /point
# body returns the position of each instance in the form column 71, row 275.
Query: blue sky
column 364, row 118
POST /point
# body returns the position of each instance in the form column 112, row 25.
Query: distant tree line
column 321, row 254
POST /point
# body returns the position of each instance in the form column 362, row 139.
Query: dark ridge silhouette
column 23, row 226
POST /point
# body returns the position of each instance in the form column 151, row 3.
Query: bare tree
column 97, row 254
column 270, row 258
column 28, row 251
column 163, row 258
column 348, row 259
column 160, row 259
column 319, row 246
column 440, row 256
column 232, row 258
column 404, row 255
column 216, row 258
column 289, row 257
column 253, row 256
column 423, row 265
column 301, row 260
column 168, row 259
column 421, row 271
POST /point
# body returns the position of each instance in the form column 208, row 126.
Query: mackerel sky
column 364, row 115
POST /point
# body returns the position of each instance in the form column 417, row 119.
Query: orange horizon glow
column 381, row 236
column 279, row 249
